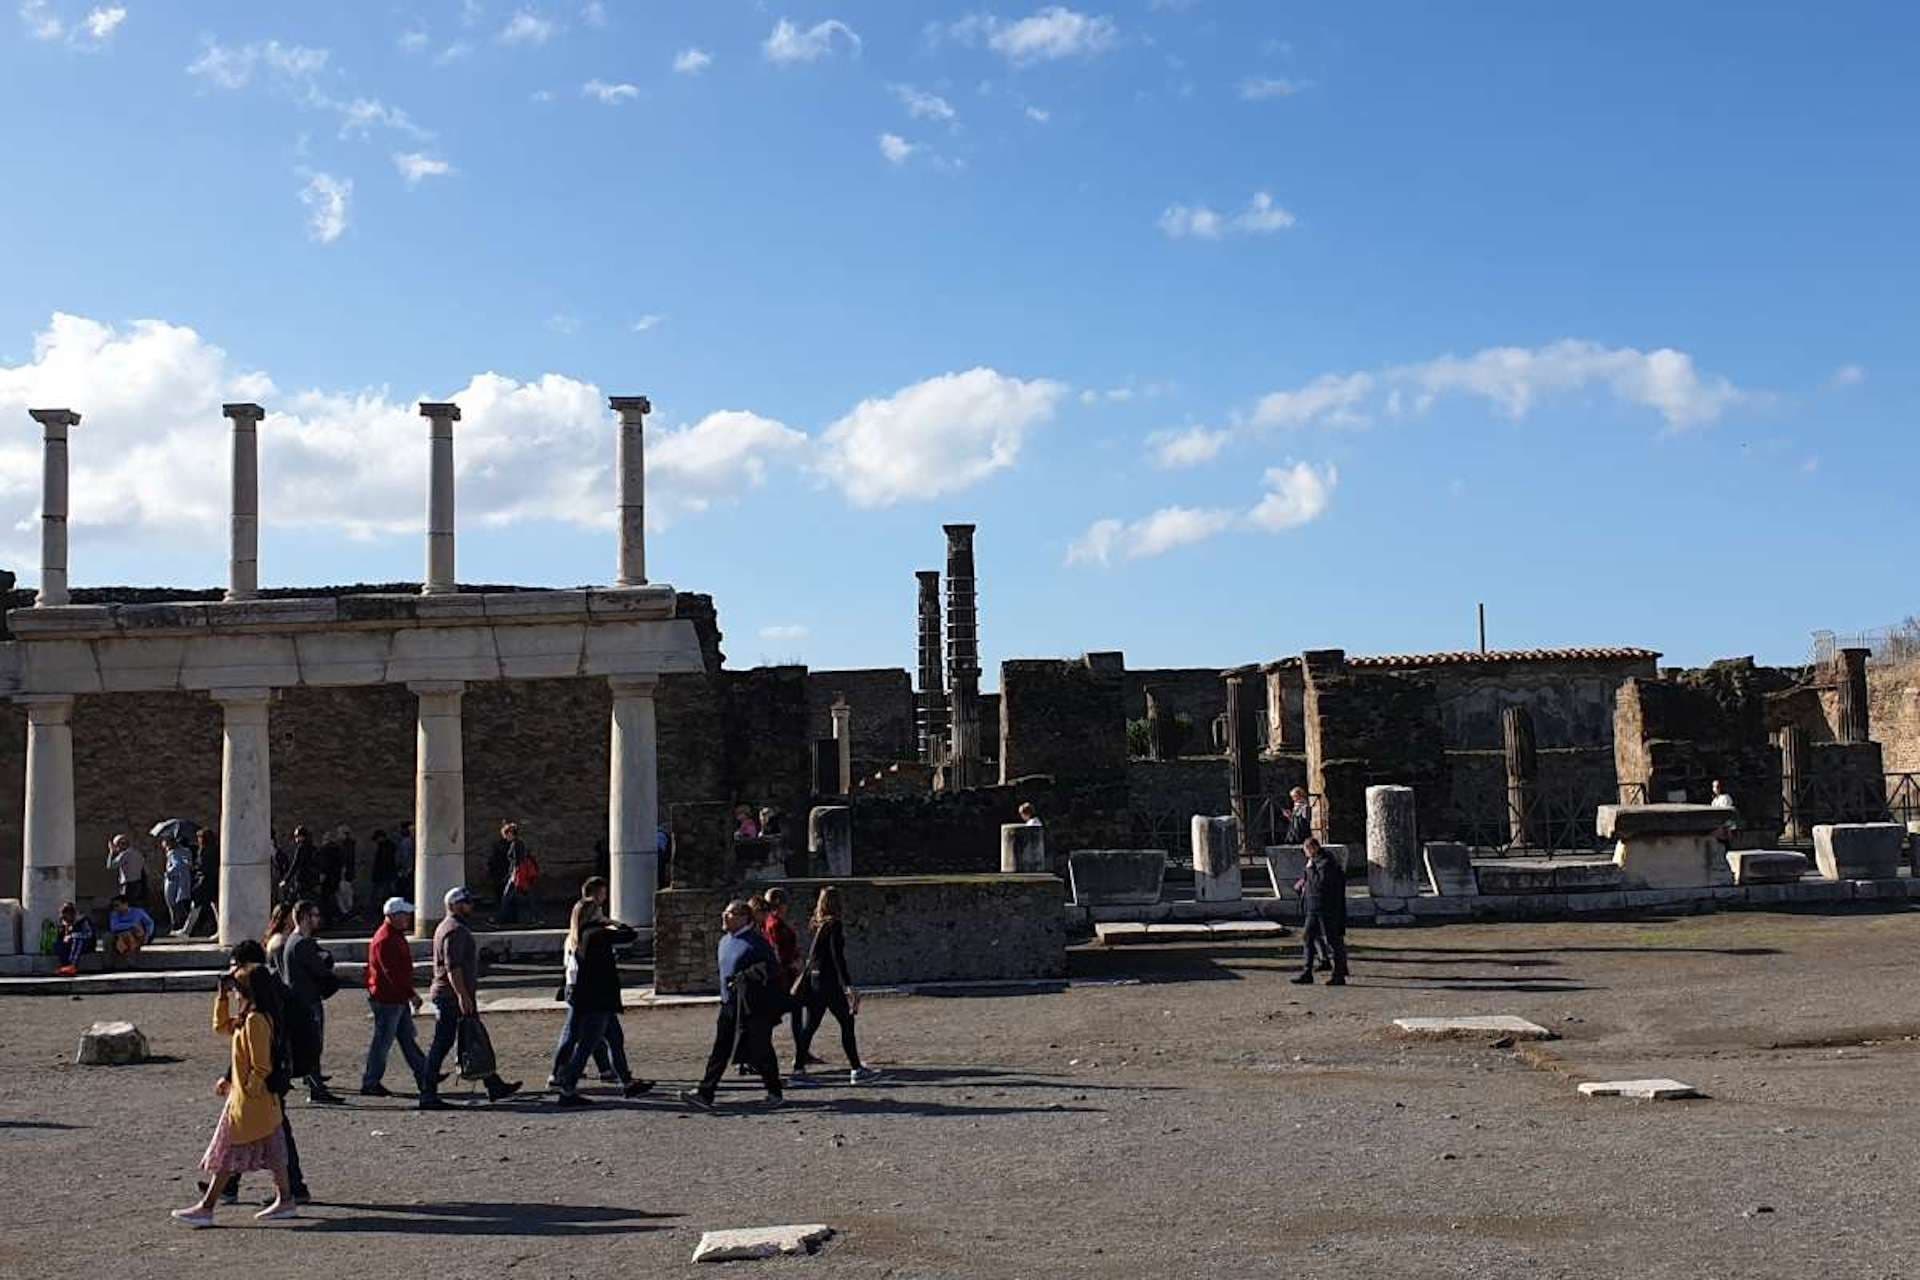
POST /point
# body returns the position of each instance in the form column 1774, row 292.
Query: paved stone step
column 1123, row 933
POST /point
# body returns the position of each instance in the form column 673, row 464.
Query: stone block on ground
column 1116, row 877
column 1393, row 843
column 1023, row 848
column 1687, row 861
column 1286, row 863
column 760, row 1242
column 10, row 926
column 1766, row 866
column 1857, row 850
column 1216, row 859
column 1494, row 1024
column 1625, row 821
column 111, row 1044
column 1644, row 1090
column 1450, row 870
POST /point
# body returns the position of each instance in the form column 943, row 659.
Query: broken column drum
column 1393, row 843
column 1216, row 859
column 930, row 707
column 963, row 658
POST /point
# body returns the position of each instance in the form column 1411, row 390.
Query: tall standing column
column 46, row 863
column 1245, row 693
column 932, row 707
column 630, row 464
column 633, row 801
column 243, row 564
column 53, row 503
column 246, row 813
column 1793, row 773
column 439, row 801
column 843, row 740
column 440, row 419
column 963, row 658
column 1523, row 772
column 1852, row 688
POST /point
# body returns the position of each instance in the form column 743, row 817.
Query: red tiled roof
column 1610, row 653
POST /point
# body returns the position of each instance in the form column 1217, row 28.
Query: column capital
column 642, row 686
column 630, row 406
column 56, row 421
column 438, row 410
column 243, row 414
column 430, row 688
column 46, row 708
column 242, row 694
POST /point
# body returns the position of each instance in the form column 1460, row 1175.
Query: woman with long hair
column 249, row 1134
column 593, row 999
column 279, row 929
column 829, row 986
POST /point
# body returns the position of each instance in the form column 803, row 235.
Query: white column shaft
column 439, row 802
column 843, row 739
column 633, row 803
column 47, row 862
column 440, row 506
column 246, row 814
column 243, row 567
column 632, row 466
column 53, row 519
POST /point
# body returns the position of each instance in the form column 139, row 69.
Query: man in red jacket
column 393, row 1000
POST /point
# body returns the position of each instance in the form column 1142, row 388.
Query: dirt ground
column 1208, row 1119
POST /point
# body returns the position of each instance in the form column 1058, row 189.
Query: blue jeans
column 585, row 1031
column 516, row 907
column 393, row 1022
column 446, row 1031
column 610, row 1057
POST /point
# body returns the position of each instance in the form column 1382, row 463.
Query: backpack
column 525, row 873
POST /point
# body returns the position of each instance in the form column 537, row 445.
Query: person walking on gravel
column 249, row 1134
column 1323, row 897
column 829, row 985
column 749, row 1007
column 456, row 998
column 393, row 1001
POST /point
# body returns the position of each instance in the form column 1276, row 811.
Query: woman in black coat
column 593, row 999
column 829, row 987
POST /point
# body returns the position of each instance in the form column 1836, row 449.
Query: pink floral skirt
column 224, row 1155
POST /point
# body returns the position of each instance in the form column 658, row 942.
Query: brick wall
column 1066, row 719
column 882, row 702
column 1368, row 728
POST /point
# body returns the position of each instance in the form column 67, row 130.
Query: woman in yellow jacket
column 249, row 1135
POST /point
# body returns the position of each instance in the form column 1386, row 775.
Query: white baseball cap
column 396, row 907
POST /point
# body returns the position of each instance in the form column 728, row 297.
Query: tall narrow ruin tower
column 963, row 659
column 930, row 705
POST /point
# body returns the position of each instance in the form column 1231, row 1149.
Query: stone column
column 1159, row 729
column 630, row 465
column 1216, row 859
column 1852, row 688
column 1276, row 711
column 246, row 813
column 843, row 741
column 1393, row 843
column 830, row 840
column 1793, row 776
column 439, row 801
column 243, row 563
column 1244, row 696
column 54, row 424
column 46, row 849
column 440, row 524
column 1023, row 849
column 1523, row 772
column 633, row 801
column 931, row 706
column 963, row 658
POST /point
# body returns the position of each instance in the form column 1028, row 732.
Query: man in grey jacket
column 306, row 968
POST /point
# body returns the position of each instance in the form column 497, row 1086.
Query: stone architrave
column 243, row 562
column 54, row 425
column 246, row 812
column 830, row 840
column 1023, row 848
column 1450, row 869
column 439, row 801
column 440, row 509
column 1216, row 859
column 1766, row 866
column 1393, row 843
column 630, row 466
column 1858, row 850
column 47, row 852
column 633, row 802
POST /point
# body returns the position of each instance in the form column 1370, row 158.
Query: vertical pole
column 932, row 710
column 1483, row 626
column 1793, row 773
column 630, row 465
column 246, row 813
column 54, row 424
column 439, row 801
column 47, row 857
column 440, row 520
column 633, row 801
column 243, row 562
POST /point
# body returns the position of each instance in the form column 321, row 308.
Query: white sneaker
column 195, row 1217
column 275, row 1212
column 862, row 1075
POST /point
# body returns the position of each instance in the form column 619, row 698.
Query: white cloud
column 326, row 198
column 1260, row 88
column 1517, row 378
column 647, row 322
column 452, row 53
column 1188, row 447
column 922, row 105
column 594, row 13
column 935, row 437
column 896, row 149
column 361, row 116
column 232, row 66
column 1039, row 115
column 40, row 20
column 90, row 33
column 527, row 27
column 788, row 44
column 1848, row 375
column 1198, row 222
column 611, row 95
column 564, row 323
column 1331, row 399
column 1050, row 34
column 1295, row 495
column 415, row 166
column 102, row 23
column 691, row 62
column 785, row 631
column 412, row 41
column 540, row 95
column 348, row 461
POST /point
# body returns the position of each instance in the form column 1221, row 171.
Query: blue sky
column 1238, row 328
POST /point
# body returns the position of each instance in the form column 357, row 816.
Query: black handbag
column 475, row 1049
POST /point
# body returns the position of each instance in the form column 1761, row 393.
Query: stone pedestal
column 439, row 802
column 1393, row 843
column 1857, row 850
column 1767, row 866
column 1023, row 848
column 1667, row 846
column 47, row 859
column 633, row 803
column 1216, row 859
column 830, row 840
column 1116, row 877
column 246, row 813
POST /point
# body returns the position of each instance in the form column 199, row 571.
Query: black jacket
column 1325, row 891
column 597, row 989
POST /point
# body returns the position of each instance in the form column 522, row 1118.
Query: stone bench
column 1668, row 846
column 1766, row 866
column 1116, row 877
column 1858, row 850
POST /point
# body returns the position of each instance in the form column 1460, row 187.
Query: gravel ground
column 1209, row 1119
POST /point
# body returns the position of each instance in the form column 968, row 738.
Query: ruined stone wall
column 959, row 831
column 882, row 702
column 767, row 735
column 1571, row 702
column 1369, row 728
column 1197, row 693
column 1893, row 713
column 1678, row 733
column 1066, row 718
column 1571, row 784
